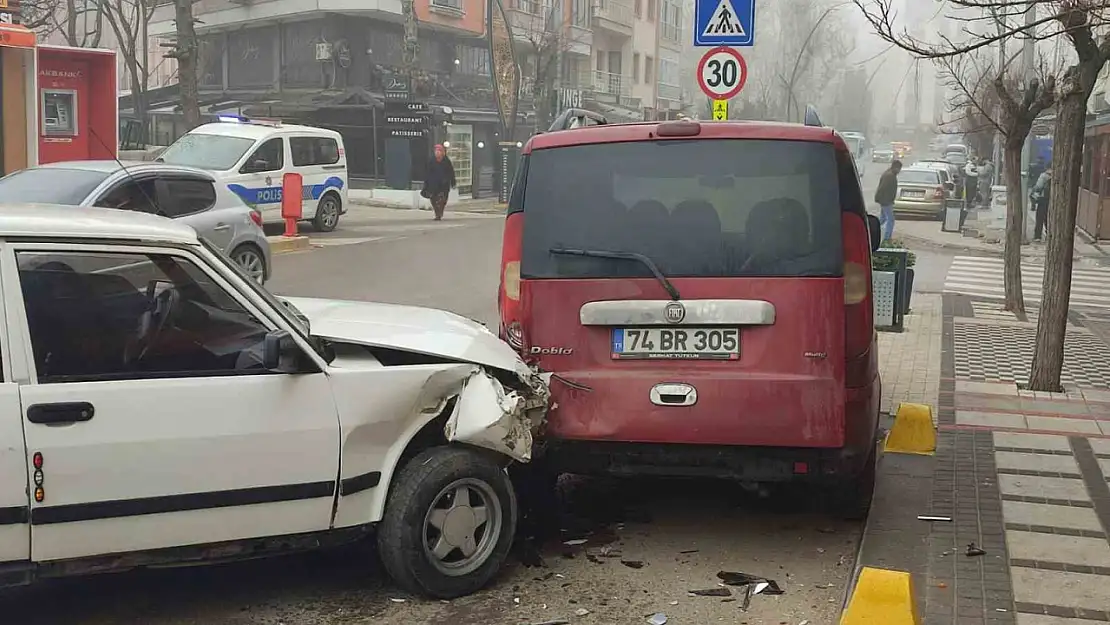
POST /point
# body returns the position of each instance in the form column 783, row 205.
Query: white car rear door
column 157, row 425
column 15, row 544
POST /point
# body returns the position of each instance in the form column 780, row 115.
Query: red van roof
column 613, row 133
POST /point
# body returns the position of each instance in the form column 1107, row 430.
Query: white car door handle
column 221, row 227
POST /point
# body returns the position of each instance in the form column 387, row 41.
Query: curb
column 1103, row 253
column 284, row 245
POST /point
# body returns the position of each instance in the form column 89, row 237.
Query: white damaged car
column 159, row 408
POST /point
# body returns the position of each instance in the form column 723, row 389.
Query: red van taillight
column 859, row 321
column 508, row 300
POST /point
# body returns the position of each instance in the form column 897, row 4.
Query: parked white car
column 158, row 406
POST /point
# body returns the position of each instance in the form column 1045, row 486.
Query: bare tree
column 81, row 22
column 1076, row 21
column 129, row 21
column 186, row 50
column 546, row 31
column 1009, row 107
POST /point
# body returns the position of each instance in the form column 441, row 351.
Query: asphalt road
column 682, row 532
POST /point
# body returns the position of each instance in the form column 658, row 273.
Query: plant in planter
column 883, row 262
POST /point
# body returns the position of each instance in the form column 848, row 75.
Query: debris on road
column 711, row 592
column 575, row 542
column 927, row 517
column 633, row 564
column 973, row 551
column 558, row 621
column 657, row 619
column 762, row 585
column 581, row 612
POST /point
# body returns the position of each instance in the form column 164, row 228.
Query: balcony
column 614, row 16
column 608, row 83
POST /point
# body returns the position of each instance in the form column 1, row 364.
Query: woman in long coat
column 439, row 180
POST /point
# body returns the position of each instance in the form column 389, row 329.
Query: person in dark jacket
column 884, row 197
column 439, row 181
column 1042, row 192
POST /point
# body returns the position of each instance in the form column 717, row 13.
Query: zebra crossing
column 983, row 277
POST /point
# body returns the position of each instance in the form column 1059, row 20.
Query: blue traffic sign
column 724, row 23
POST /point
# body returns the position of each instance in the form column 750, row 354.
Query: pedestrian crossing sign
column 724, row 23
column 720, row 110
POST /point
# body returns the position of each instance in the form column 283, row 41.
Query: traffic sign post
column 722, row 73
column 724, row 23
column 720, row 110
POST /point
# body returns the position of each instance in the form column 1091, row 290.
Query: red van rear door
column 694, row 286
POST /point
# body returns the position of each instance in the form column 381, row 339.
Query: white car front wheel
column 449, row 522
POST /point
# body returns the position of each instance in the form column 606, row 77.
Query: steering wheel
column 151, row 324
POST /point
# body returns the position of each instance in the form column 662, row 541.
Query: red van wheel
column 855, row 500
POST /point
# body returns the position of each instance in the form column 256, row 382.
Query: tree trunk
column 186, row 54
column 1067, row 155
column 1015, row 229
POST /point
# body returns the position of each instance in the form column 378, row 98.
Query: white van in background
column 251, row 157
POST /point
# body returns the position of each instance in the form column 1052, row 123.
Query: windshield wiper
column 640, row 258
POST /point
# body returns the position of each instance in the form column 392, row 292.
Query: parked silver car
column 183, row 193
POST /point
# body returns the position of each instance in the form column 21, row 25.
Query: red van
column 702, row 294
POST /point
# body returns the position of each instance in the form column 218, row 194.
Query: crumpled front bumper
column 492, row 416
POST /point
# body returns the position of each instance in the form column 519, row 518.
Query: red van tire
column 856, row 498
column 419, row 489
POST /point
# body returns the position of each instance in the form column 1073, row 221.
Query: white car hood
column 411, row 329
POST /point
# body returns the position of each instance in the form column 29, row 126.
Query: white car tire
column 449, row 522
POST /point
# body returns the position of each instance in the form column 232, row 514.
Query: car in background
column 948, row 173
column 956, row 154
column 883, row 154
column 185, row 194
column 702, row 295
column 921, row 193
column 902, row 149
column 252, row 156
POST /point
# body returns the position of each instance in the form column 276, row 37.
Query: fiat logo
column 674, row 312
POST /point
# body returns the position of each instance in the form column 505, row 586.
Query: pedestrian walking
column 986, row 180
column 971, row 183
column 1041, row 193
column 1035, row 171
column 884, row 197
column 438, row 181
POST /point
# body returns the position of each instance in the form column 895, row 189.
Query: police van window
column 218, row 152
column 270, row 156
column 314, row 151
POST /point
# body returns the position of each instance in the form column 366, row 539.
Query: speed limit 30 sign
column 722, row 73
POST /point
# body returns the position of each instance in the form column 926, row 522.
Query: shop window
column 461, row 153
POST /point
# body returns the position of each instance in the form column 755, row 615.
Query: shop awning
column 16, row 36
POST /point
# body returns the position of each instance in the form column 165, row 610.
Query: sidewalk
column 1023, row 474
column 929, row 233
column 482, row 205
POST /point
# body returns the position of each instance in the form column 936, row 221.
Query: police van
column 251, row 156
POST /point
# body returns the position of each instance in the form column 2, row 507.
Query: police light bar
column 241, row 119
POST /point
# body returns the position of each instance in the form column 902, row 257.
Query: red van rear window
column 696, row 208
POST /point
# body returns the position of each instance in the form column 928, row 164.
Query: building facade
column 326, row 62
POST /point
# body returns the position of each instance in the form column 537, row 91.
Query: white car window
column 118, row 316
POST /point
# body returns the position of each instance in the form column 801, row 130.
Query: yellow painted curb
column 882, row 597
column 913, row 431
column 284, row 245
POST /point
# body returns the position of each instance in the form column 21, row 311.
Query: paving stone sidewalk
column 1022, row 475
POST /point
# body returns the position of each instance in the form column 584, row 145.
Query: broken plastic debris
column 575, row 542
column 973, row 550
column 558, row 621
column 712, row 592
column 761, row 585
column 633, row 564
column 929, row 517
column 581, row 612
column 394, row 600
column 657, row 619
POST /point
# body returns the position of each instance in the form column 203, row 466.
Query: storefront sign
column 9, row 12
column 398, row 89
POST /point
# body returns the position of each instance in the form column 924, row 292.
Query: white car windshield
column 204, row 151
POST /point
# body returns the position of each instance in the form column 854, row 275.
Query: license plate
column 913, row 194
column 676, row 343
